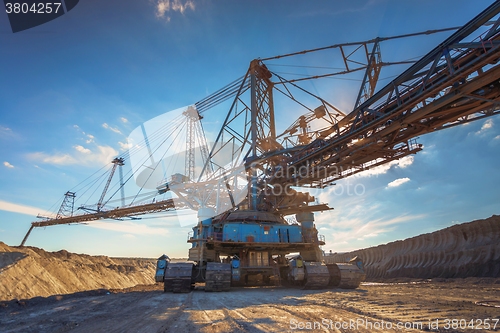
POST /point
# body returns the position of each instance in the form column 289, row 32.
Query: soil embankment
column 464, row 250
column 27, row 272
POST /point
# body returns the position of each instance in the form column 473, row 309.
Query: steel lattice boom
column 455, row 83
column 118, row 213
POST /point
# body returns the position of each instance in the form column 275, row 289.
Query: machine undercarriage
column 253, row 248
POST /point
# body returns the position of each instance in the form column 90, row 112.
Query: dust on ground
column 397, row 306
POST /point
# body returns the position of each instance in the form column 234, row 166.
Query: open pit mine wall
column 465, row 250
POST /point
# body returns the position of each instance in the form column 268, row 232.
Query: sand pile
column 465, row 250
column 26, row 272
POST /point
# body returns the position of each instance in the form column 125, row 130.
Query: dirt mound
column 465, row 250
column 27, row 272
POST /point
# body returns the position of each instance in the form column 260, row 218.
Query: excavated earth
column 27, row 272
column 61, row 292
column 463, row 250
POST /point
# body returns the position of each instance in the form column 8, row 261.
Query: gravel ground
column 395, row 306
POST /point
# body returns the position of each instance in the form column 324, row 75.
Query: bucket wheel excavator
column 255, row 221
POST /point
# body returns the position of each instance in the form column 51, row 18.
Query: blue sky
column 72, row 90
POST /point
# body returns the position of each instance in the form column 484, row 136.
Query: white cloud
column 124, row 120
column 105, row 154
column 382, row 169
column 125, row 146
column 177, row 5
column 8, row 165
column 82, row 149
column 114, row 129
column 398, row 182
column 129, row 228
column 497, row 137
column 21, row 209
column 486, row 126
column 129, row 236
column 351, row 232
column 165, row 6
column 58, row 159
column 89, row 138
column 7, row 133
column 81, row 156
column 405, row 161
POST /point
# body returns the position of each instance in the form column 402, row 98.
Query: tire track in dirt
column 136, row 312
column 346, row 314
column 328, row 313
column 243, row 322
column 253, row 306
column 203, row 313
column 260, row 310
column 214, row 318
column 178, row 319
column 295, row 317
